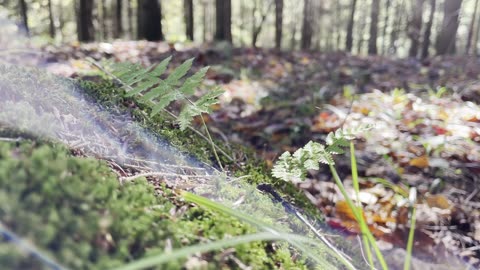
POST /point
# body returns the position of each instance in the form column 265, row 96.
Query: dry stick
column 147, row 174
column 93, row 62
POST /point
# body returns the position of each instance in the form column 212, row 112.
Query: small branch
column 131, row 178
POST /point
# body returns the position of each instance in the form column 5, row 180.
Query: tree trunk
column 278, row 23
column 130, row 19
column 52, row 22
column 445, row 43
column 307, row 30
column 471, row 29
column 204, row 20
column 415, row 28
column 385, row 24
column 351, row 20
column 428, row 30
column 104, row 19
column 397, row 22
column 24, row 13
column 149, row 20
column 475, row 39
column 257, row 29
column 223, row 15
column 188, row 10
column 85, row 21
column 372, row 40
column 118, row 20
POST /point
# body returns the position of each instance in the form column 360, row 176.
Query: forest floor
column 426, row 116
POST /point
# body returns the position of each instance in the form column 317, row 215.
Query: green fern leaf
column 191, row 83
column 179, row 72
column 164, row 101
column 161, row 68
column 143, row 86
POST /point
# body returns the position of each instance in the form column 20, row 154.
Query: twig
column 147, row 174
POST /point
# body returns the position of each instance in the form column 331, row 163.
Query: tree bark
column 307, row 31
column 52, row 22
column 118, row 19
column 223, row 15
column 150, row 20
column 188, row 10
column 445, row 43
column 415, row 28
column 85, row 21
column 351, row 20
column 471, row 29
column 257, row 29
column 397, row 22
column 278, row 23
column 372, row 40
column 428, row 30
column 104, row 19
column 24, row 13
column 130, row 19
column 386, row 21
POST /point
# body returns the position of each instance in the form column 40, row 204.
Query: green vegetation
column 294, row 168
column 76, row 210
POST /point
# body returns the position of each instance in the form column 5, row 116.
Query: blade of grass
column 356, row 186
column 411, row 233
column 206, row 247
column 202, row 201
column 360, row 219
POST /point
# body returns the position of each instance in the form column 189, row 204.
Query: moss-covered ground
column 75, row 210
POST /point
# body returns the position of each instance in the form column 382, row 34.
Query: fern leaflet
column 162, row 92
column 295, row 167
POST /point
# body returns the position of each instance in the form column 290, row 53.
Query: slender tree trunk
column 149, row 20
column 386, row 20
column 50, row 18
column 118, row 19
column 372, row 40
column 188, row 9
column 257, row 29
column 131, row 30
column 223, row 20
column 471, row 28
column 307, row 30
column 351, row 20
column 204, row 21
column 445, row 43
column 338, row 24
column 362, row 30
column 475, row 39
column 278, row 23
column 399, row 11
column 103, row 19
column 85, row 29
column 24, row 13
column 428, row 30
column 415, row 28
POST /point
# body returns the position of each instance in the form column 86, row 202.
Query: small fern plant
column 161, row 92
column 158, row 93
column 294, row 168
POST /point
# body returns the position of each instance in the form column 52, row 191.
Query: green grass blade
column 359, row 217
column 411, row 236
column 199, row 248
column 297, row 241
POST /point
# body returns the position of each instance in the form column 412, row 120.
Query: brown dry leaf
column 419, row 162
column 439, row 201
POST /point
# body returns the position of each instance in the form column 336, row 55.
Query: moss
column 87, row 220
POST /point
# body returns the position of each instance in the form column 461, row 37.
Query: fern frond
column 295, row 167
column 202, row 105
column 161, row 93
